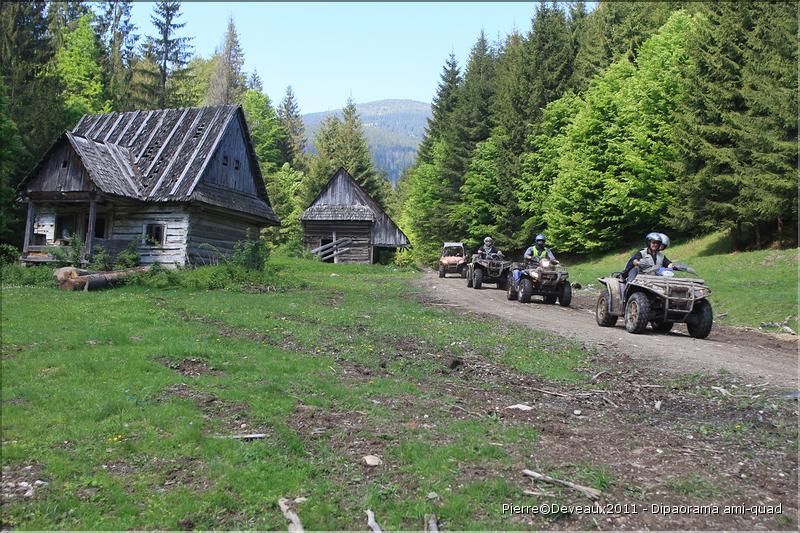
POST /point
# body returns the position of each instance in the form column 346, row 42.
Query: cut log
column 373, row 525
column 592, row 494
column 100, row 280
column 294, row 521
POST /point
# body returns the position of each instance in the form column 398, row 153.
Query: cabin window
column 224, row 160
column 235, row 164
column 65, row 227
column 154, row 234
column 64, row 164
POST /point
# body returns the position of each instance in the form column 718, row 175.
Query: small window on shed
column 235, row 164
column 64, row 164
column 224, row 160
column 154, row 234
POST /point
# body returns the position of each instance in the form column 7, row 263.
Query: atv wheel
column 565, row 297
column 525, row 290
column 550, row 300
column 637, row 312
column 511, row 292
column 662, row 327
column 477, row 278
column 700, row 320
column 464, row 271
column 502, row 284
column 441, row 271
column 469, row 280
column 601, row 314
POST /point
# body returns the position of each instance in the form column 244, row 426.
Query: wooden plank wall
column 53, row 177
column 221, row 232
column 233, row 146
column 360, row 232
column 129, row 224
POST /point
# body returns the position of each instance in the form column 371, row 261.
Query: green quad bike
column 658, row 299
column 491, row 269
column 541, row 278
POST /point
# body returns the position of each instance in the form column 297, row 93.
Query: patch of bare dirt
column 22, row 482
column 232, row 416
column 190, row 367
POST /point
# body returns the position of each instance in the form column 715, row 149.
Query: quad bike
column 491, row 269
column 539, row 277
column 453, row 260
column 657, row 298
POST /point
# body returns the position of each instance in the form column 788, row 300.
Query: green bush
column 101, row 260
column 71, row 255
column 8, row 254
column 128, row 258
column 250, row 255
column 227, row 276
column 16, row 275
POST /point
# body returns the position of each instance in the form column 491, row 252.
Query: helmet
column 487, row 240
column 539, row 237
column 664, row 240
column 652, row 236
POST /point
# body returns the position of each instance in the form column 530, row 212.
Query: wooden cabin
column 182, row 184
column 344, row 212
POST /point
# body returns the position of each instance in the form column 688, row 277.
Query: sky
column 328, row 52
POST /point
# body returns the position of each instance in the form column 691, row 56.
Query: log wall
column 360, row 250
column 221, row 232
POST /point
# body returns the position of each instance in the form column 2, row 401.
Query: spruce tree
column 295, row 145
column 322, row 165
column 228, row 82
column 442, row 107
column 254, row 82
column 352, row 152
column 119, row 40
column 169, row 51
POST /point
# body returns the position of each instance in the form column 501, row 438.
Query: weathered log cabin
column 172, row 180
column 344, row 212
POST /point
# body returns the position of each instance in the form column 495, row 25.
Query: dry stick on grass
column 592, row 494
column 373, row 525
column 295, row 526
column 431, row 523
column 537, row 493
column 552, row 393
column 466, row 411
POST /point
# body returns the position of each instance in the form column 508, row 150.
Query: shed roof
column 161, row 155
column 338, row 212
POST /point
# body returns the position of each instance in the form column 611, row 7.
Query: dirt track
column 756, row 356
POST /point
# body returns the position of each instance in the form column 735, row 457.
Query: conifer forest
column 594, row 125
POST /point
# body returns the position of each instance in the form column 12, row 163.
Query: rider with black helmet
column 538, row 250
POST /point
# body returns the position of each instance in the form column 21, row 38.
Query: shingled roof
column 160, row 155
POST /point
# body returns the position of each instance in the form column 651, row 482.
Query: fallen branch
column 608, row 401
column 592, row 494
column 467, row 411
column 373, row 525
column 552, row 393
column 594, row 378
column 431, row 523
column 527, row 492
column 294, row 521
column 250, row 436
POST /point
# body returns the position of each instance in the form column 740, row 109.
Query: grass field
column 748, row 288
column 94, row 399
column 124, row 402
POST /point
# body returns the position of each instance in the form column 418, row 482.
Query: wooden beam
column 90, row 229
column 29, row 227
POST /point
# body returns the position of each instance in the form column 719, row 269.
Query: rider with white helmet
column 488, row 248
column 649, row 259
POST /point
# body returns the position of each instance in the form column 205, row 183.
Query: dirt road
column 756, row 356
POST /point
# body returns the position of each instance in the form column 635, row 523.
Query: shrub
column 16, row 275
column 101, row 260
column 128, row 258
column 8, row 254
column 250, row 255
column 71, row 255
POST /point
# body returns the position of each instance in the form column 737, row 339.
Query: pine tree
column 254, row 82
column 442, row 108
column 266, row 131
column 188, row 87
column 322, row 166
column 284, row 188
column 169, row 51
column 352, row 152
column 289, row 115
column 145, row 85
column 119, row 40
column 11, row 157
column 228, row 82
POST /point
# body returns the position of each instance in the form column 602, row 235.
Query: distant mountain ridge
column 393, row 128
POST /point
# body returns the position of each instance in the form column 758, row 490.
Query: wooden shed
column 169, row 180
column 344, row 211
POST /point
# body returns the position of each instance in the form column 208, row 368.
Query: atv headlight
column 545, row 263
column 535, row 275
column 700, row 293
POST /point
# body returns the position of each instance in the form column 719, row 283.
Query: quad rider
column 648, row 260
column 488, row 248
column 664, row 241
column 538, row 251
